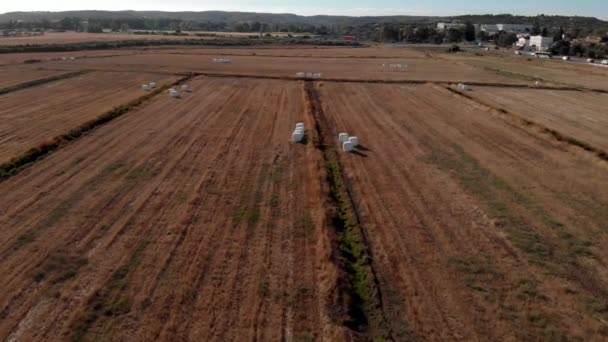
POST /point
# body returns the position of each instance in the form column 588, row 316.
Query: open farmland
column 337, row 68
column 195, row 204
column 80, row 37
column 34, row 116
column 462, row 216
column 12, row 76
column 531, row 69
column 476, row 224
column 581, row 115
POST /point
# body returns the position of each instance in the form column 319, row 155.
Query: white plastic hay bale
column 343, row 137
column 354, row 141
column 537, row 83
column 185, row 87
column 145, row 87
column 297, row 136
column 152, row 85
column 174, row 93
column 348, row 146
column 300, row 124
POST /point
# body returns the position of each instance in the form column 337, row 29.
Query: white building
column 523, row 42
column 541, row 43
column 489, row 28
column 447, row 26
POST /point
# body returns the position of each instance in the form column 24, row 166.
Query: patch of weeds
column 110, row 301
column 479, row 274
column 536, row 319
column 276, row 176
column 551, row 334
column 528, row 289
column 304, row 227
column 114, row 166
column 59, row 267
column 264, row 288
column 274, row 200
column 576, row 246
column 359, row 277
column 181, row 197
column 491, row 189
column 596, row 305
column 25, row 238
column 137, row 174
column 305, row 336
column 253, row 216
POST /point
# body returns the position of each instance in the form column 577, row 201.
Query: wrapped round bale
column 297, row 136
column 348, row 146
column 354, row 141
column 343, row 137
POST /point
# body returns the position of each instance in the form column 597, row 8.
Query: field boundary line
column 133, row 71
column 41, row 81
column 413, row 81
column 360, row 281
column 524, row 122
column 18, row 163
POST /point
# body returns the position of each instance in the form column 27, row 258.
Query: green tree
column 505, row 39
column 482, row 36
column 535, row 29
column 469, row 32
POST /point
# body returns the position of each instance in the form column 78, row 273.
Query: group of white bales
column 348, row 143
column 309, row 75
column 172, row 92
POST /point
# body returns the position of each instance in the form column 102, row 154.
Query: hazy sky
column 597, row 8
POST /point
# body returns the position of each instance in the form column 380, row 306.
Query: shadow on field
column 363, row 148
column 359, row 153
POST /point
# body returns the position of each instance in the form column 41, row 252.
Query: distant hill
column 250, row 22
column 210, row 16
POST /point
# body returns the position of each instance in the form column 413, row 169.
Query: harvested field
column 19, row 58
column 187, row 219
column 11, row 76
column 463, row 216
column 36, row 115
column 80, row 37
column 581, row 115
column 300, row 51
column 480, row 230
column 356, row 68
column 549, row 70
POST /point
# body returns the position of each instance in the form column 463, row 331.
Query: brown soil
column 197, row 219
column 36, row 115
column 448, row 193
column 188, row 219
column 576, row 114
column 10, row 76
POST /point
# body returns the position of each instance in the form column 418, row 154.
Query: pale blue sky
column 597, row 8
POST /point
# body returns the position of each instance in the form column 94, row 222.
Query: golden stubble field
column 195, row 218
